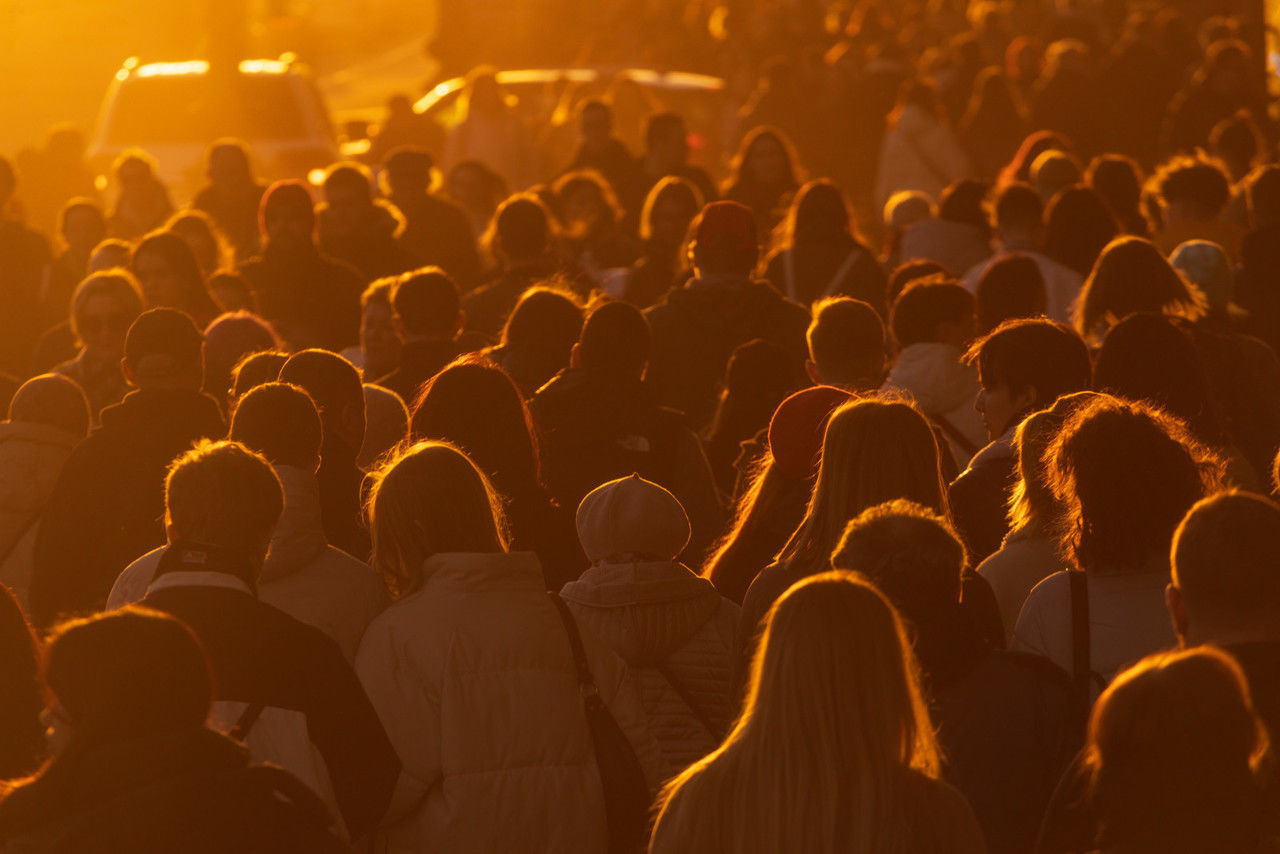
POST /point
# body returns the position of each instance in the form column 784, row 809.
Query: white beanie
column 631, row 517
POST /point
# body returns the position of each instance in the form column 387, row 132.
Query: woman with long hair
column 1132, row 276
column 169, row 275
column 834, row 750
column 763, row 175
column 668, row 211
column 591, row 233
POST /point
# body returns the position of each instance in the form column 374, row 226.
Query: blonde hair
column 427, row 499
column 834, row 723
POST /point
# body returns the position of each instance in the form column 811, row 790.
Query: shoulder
column 943, row 821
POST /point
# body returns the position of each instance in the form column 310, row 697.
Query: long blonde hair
column 833, row 724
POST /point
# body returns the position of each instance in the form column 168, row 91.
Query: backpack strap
column 1081, row 665
column 240, row 730
column 687, row 699
column 586, row 682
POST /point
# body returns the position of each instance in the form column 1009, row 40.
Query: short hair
column 1053, row 171
column 332, row 382
column 521, row 228
column 1263, row 192
column 163, row 345
column 279, row 421
column 924, row 305
column 379, row 292
column 255, row 369
column 1011, row 287
column 81, row 204
column 908, row 551
column 427, row 302
column 846, row 338
column 615, row 335
column 661, row 125
column 1037, row 353
column 353, row 176
column 1198, row 181
column 54, row 401
column 128, row 673
column 1237, row 136
column 545, row 316
column 118, row 284
column 911, row 271
column 1019, row 206
column 1226, row 559
column 1117, row 180
column 223, row 495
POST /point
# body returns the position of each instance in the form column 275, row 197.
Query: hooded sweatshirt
column 944, row 388
column 31, row 458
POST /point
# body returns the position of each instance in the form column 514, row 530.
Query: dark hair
column 615, row 336
column 680, row 189
column 521, row 228
column 255, row 369
column 279, row 421
column 228, row 339
column 1132, row 276
column 1035, row 144
column 539, row 335
column 659, row 125
column 845, row 338
column 910, row 271
column 1011, row 287
column 195, row 299
column 1238, row 137
column 1019, row 206
column 1117, row 180
column 1035, row 353
column 21, row 732
column 963, row 202
column 739, row 174
column 1077, row 228
column 818, row 214
column 925, row 304
column 352, row 176
column 1196, row 181
column 1224, row 560
column 52, row 400
column 332, row 382
column 593, row 180
column 427, row 302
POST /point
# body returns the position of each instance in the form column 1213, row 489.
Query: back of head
column 660, row 126
column 545, row 318
column 797, row 428
column 1054, row 171
column 280, row 422
column 1264, row 197
column 1206, row 265
column 1012, row 287
column 1198, row 183
column 1118, row 182
column 1019, row 210
column 1035, row 353
column 924, row 305
column 254, row 370
column 1078, row 226
column 333, row 383
column 963, row 202
column 907, row 207
column 1132, row 276
column 724, row 240
column 407, row 169
column 631, row 519
column 386, row 425
column 230, row 338
column 430, row 499
column 351, row 178
column 286, row 200
column 819, row 214
column 163, row 349
column 427, row 303
column 847, row 342
column 54, row 401
column 127, row 674
column 228, row 160
column 674, row 190
column 1237, row 140
column 521, row 229
column 116, row 283
column 615, row 337
column 911, row 271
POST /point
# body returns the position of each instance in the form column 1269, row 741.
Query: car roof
column 669, row 80
column 131, row 67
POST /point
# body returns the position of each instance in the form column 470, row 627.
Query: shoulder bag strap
column 688, row 700
column 846, row 268
column 586, row 681
column 249, row 717
column 1081, row 665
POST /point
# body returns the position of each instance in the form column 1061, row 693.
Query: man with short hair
column 1193, row 193
column 105, row 509
column 282, row 685
column 599, row 149
column 428, row 317
column 436, row 231
column 847, row 346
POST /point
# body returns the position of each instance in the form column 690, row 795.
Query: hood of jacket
column 648, row 610
column 31, row 458
column 935, row 376
column 299, row 537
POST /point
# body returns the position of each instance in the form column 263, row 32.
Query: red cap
column 798, row 426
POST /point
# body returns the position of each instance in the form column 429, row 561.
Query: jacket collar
column 188, row 578
column 483, row 571
column 611, row 584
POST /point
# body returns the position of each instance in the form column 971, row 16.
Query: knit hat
column 727, row 227
column 631, row 517
column 163, row 344
column 798, row 426
column 1206, row 266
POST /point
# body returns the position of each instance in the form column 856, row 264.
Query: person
column 1205, row 264
column 474, row 404
column 593, row 238
column 1020, row 230
column 103, row 308
column 309, row 298
column 22, row 741
column 666, row 153
column 933, row 323
column 227, row 340
column 303, row 575
column 1054, row 171
column 764, row 176
column 698, row 326
column 597, row 422
column 334, row 386
column 386, row 425
column 380, row 344
column 1259, row 262
column 1078, row 228
column 599, row 149
column 1132, row 276
column 231, row 292
column 920, row 150
column 254, row 370
column 1023, row 366
column 1063, row 99
column 1012, row 288
column 82, row 225
column 427, row 318
column 1118, row 182
column 143, row 203
column 665, row 217
column 1222, row 86
column 136, row 768
column 47, row 418
column 632, row 530
column 27, row 255
column 1004, row 718
column 106, row 507
column 477, row 190
column 496, row 750
column 842, row 719
column 436, row 231
column 232, row 195
column 994, row 123
column 538, row 337
column 403, row 128
column 167, row 272
column 356, row 228
column 820, row 257
column 202, row 235
column 281, row 683
column 491, row 131
column 756, row 380
column 1193, row 193
column 1126, row 474
column 904, row 209
column 1019, row 166
column 959, row 238
column 847, row 346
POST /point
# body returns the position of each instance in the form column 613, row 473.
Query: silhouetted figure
column 757, row 379
column 764, row 175
column 103, row 308
column 427, row 315
column 994, row 123
column 355, row 227
column 491, row 131
column 22, row 742
column 25, row 255
column 228, row 340
column 666, row 152
column 436, row 231
column 378, row 353
column 920, row 150
column 478, row 190
column 599, row 149
column 668, row 211
column 1064, row 99
column 591, row 228
column 403, row 127
column 538, row 338
column 1118, row 182
column 1010, row 289
column 81, row 226
column 233, row 196
column 1132, row 276
column 1221, row 86
column 170, row 277
column 205, row 239
column 386, row 425
column 142, row 203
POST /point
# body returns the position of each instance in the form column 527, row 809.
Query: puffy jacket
column 677, row 634
column 945, row 388
column 475, row 683
column 31, row 458
column 304, row 576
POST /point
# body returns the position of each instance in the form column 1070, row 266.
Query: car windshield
column 184, row 108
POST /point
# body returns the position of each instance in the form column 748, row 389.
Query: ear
column 1177, row 611
column 811, row 368
column 170, row 530
column 128, row 373
column 575, row 357
column 460, row 324
column 1025, row 400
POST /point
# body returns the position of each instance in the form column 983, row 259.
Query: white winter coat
column 919, row 153
column 304, row 576
column 677, row 635
column 31, row 458
column 1026, row 558
column 944, row 387
column 474, row 680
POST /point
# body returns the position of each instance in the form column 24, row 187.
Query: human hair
column 660, row 125
column 911, row 271
column 833, row 723
column 1237, row 140
column 79, row 205
column 818, row 214
column 1018, row 209
column 591, row 180
column 616, row 337
column 1033, row 145
column 1196, row 181
column 521, row 229
column 874, row 451
column 126, row 674
column 378, row 292
column 279, row 421
column 224, row 496
column 739, row 164
column 192, row 296
column 1011, row 287
column 233, row 156
column 1174, row 756
column 1078, row 226
column 963, row 202
column 208, row 244
column 22, row 742
column 119, row 285
column 1117, row 180
column 332, row 382
column 1263, row 193
column 544, row 325
column 846, row 341
column 427, row 302
column 349, row 175
column 255, row 369
column 54, row 401
column 1132, row 276
column 1037, row 353
column 1126, row 473
column 1224, row 562
column 1054, row 171
column 925, row 304
column 673, row 188
column 474, row 405
column 227, row 340
column 430, row 499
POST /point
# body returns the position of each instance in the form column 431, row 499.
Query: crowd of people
column 911, row 489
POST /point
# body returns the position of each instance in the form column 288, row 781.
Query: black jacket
column 108, row 505
column 419, row 362
column 438, row 232
column 311, row 299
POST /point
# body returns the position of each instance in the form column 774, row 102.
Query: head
column 386, row 426
column 135, row 171
column 1026, row 365
column 766, row 159
column 163, row 349
column 521, row 232
column 935, row 309
column 912, row 271
column 53, row 401
column 1263, row 193
column 1132, row 276
column 1126, row 474
column 380, row 336
column 221, row 498
column 286, row 216
column 595, row 124
column 724, row 241
column 204, row 238
column 227, row 164
column 1117, row 180
column 231, row 292
column 109, row 254
column 1010, row 288
column 615, row 338
column 666, row 141
column 1237, row 142
column 348, row 194
column 82, row 225
column 427, row 306
column 280, row 422
column 668, row 210
column 170, row 276
column 1078, row 226
column 847, row 346
column 585, row 204
column 334, row 385
column 103, row 307
column 631, row 520
column 430, row 499
column 228, row 340
column 1206, row 265
column 819, row 214
column 1019, row 215
column 907, row 207
column 540, row 334
column 1032, row 504
column 407, row 171
column 123, row 675
column 963, row 202
column 1192, row 189
column 1054, row 171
